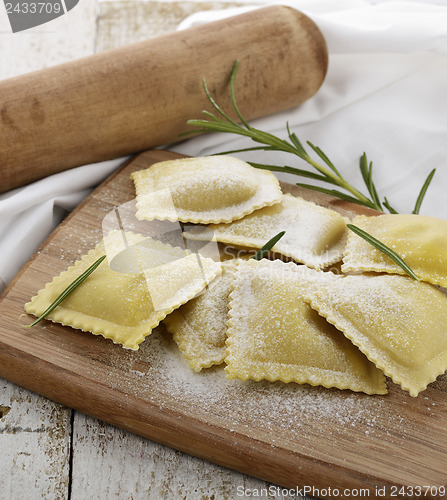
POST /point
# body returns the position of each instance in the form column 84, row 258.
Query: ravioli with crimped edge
column 123, row 306
column 203, row 190
column 399, row 323
column 273, row 334
column 314, row 235
column 199, row 327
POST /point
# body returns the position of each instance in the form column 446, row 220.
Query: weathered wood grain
column 35, row 437
column 110, row 462
column 279, row 432
column 68, row 37
column 125, row 22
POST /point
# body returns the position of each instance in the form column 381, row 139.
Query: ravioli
column 420, row 240
column 274, row 334
column 129, row 252
column 314, row 235
column 125, row 306
column 203, row 190
column 399, row 323
column 200, row 327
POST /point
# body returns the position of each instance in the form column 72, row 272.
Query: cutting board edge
column 220, row 450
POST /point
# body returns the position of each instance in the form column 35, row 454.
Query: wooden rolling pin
column 140, row 96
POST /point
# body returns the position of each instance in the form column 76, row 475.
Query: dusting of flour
column 288, row 410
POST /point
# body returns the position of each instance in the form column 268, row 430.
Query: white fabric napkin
column 29, row 214
column 385, row 94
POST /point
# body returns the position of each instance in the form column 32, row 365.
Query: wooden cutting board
column 288, row 434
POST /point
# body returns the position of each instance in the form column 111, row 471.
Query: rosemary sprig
column 268, row 246
column 383, row 248
column 67, row 291
column 326, row 170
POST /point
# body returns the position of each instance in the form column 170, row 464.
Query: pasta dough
column 200, row 327
column 314, row 235
column 203, row 190
column 273, row 334
column 421, row 241
column 399, row 323
column 124, row 306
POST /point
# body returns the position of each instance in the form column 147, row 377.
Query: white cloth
column 385, row 94
column 29, row 214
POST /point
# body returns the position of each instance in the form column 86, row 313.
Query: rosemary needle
column 67, row 291
column 424, row 188
column 383, row 248
column 268, row 246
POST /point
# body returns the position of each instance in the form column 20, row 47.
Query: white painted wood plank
column 124, row 22
column 111, row 463
column 35, row 436
column 207, row 5
column 68, row 37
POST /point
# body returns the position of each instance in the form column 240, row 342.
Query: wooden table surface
column 47, row 450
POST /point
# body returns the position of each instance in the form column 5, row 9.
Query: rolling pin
column 129, row 99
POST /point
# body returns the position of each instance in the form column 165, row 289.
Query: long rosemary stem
column 327, row 172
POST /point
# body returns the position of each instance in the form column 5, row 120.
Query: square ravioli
column 420, row 240
column 314, row 235
column 200, row 326
column 399, row 323
column 125, row 306
column 274, row 334
column 203, row 190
